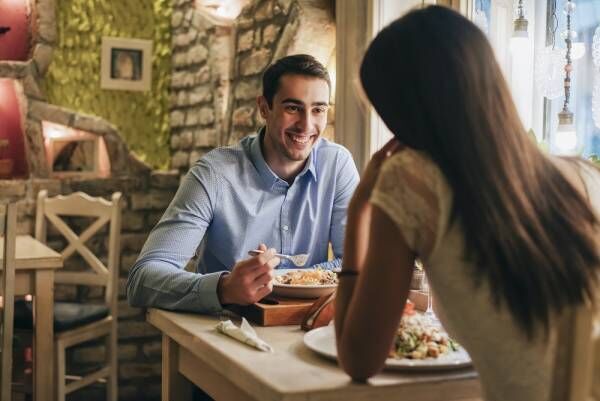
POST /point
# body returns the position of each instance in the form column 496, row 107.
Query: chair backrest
column 574, row 362
column 8, row 232
column 79, row 204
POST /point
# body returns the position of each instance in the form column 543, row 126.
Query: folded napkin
column 245, row 333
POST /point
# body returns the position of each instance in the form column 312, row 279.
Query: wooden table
column 228, row 370
column 34, row 274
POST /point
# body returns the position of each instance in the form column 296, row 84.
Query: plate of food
column 417, row 346
column 304, row 283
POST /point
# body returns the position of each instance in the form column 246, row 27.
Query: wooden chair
column 84, row 322
column 8, row 232
column 574, row 368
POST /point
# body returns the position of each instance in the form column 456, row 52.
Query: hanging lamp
column 566, row 135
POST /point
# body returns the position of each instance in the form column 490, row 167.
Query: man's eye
column 320, row 110
column 292, row 109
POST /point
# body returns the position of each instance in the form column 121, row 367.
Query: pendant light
column 520, row 37
column 566, row 135
column 596, row 90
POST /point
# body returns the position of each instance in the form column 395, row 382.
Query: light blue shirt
column 231, row 201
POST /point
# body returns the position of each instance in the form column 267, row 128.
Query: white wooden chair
column 574, row 370
column 92, row 324
column 8, row 232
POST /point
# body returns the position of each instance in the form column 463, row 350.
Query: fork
column 298, row 260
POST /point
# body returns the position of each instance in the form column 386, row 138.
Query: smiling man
column 285, row 187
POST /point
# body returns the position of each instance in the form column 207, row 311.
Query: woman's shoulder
column 412, row 190
column 410, row 158
column 411, row 163
column 582, row 174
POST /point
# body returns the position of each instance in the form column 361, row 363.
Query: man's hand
column 250, row 280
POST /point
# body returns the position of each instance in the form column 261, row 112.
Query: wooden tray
column 280, row 311
column 275, row 311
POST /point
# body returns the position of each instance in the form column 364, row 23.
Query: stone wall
column 197, row 84
column 145, row 198
column 146, row 194
column 215, row 79
column 73, row 78
column 266, row 31
column 218, row 67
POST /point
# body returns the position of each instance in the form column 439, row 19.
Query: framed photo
column 126, row 64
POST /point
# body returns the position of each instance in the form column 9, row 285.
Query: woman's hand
column 369, row 177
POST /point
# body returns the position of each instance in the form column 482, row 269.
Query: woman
column 507, row 234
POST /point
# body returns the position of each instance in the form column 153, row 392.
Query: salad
column 417, row 339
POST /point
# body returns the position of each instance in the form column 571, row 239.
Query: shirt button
column 285, row 227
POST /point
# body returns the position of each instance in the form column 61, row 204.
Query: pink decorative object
column 15, row 43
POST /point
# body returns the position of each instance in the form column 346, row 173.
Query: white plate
column 300, row 291
column 322, row 341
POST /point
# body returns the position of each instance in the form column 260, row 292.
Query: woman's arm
column 357, row 230
column 369, row 306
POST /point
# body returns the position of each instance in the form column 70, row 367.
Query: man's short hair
column 297, row 64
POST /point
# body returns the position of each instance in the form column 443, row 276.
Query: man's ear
column 263, row 106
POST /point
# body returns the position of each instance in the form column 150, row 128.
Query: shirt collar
column 265, row 172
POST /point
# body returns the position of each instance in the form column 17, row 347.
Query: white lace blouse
column 412, row 191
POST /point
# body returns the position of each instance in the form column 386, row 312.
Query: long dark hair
column 432, row 77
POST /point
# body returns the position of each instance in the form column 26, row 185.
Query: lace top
column 413, row 192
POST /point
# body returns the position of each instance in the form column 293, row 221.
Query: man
column 285, row 187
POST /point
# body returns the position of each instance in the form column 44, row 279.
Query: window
column 547, row 22
column 586, row 75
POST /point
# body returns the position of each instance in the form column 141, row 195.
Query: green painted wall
column 73, row 79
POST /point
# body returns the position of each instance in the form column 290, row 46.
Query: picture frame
column 126, row 64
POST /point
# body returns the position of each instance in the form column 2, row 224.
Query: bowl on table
column 304, row 283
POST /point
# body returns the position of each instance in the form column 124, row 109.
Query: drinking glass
column 429, row 313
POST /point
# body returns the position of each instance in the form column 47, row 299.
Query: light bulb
column 565, row 139
column 519, row 45
column 519, row 41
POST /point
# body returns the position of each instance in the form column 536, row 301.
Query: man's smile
column 299, row 139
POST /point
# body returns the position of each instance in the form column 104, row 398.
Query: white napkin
column 245, row 333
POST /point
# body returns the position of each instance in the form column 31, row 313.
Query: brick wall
column 214, row 83
column 218, row 68
column 145, row 198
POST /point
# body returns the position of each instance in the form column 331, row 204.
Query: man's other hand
column 250, row 280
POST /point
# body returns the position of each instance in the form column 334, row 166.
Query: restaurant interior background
column 125, row 95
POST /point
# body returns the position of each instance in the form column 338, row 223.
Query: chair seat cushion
column 67, row 315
